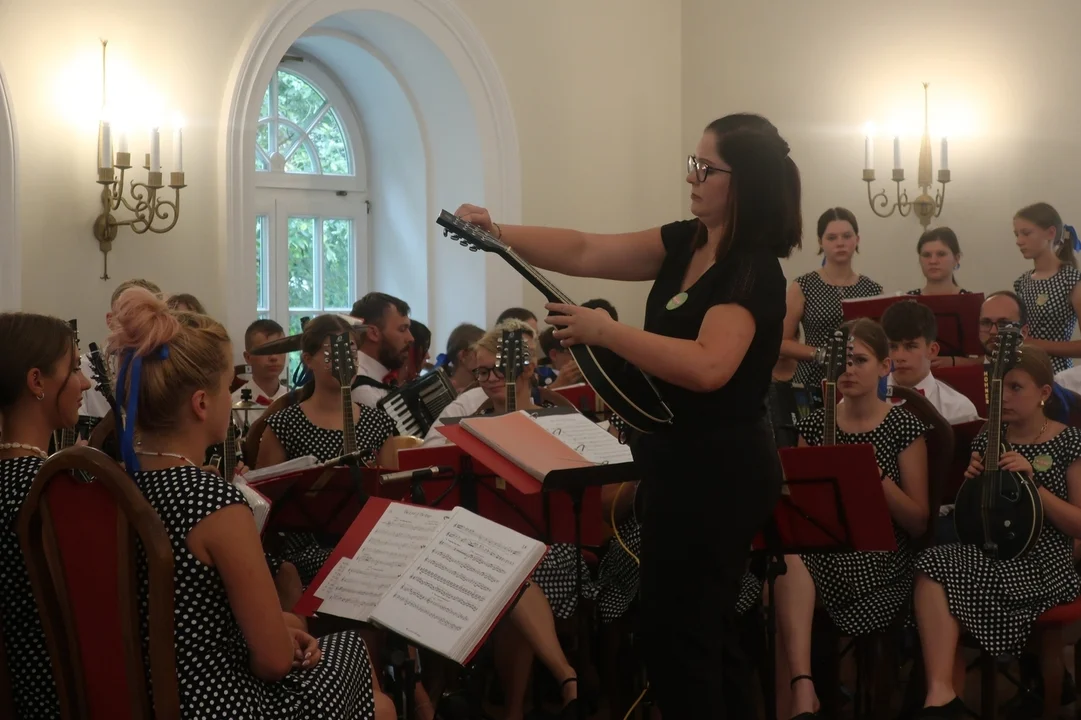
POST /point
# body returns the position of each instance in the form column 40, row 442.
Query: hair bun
column 142, row 322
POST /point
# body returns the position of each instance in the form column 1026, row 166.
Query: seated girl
column 313, row 426
column 996, row 601
column 237, row 654
column 41, row 387
column 861, row 591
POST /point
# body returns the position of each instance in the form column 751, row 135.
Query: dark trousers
column 705, row 499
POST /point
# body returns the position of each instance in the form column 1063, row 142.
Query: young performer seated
column 265, row 384
column 384, row 346
column 313, row 426
column 958, row 588
column 238, row 655
column 912, row 329
column 41, row 388
column 455, row 361
column 862, row 592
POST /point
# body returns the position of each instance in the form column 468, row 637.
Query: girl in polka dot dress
column 814, row 299
column 41, row 387
column 940, row 257
column 1050, row 291
column 313, row 426
column 958, row 588
column 238, row 656
column 861, row 591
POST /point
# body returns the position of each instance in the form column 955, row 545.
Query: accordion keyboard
column 415, row 406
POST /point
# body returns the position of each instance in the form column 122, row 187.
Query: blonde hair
column 133, row 283
column 494, row 337
column 193, row 358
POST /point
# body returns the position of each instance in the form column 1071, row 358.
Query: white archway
column 487, row 285
column 10, row 244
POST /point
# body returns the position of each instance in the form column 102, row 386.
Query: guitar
column 512, row 358
column 342, row 360
column 999, row 511
column 838, row 352
column 100, row 375
column 623, row 387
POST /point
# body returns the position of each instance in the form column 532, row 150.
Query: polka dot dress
column 212, row 658
column 822, row 315
column 1050, row 313
column 997, row 601
column 750, row 593
column 865, row 591
column 24, row 639
column 300, row 436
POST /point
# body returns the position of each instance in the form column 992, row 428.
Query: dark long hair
column 31, row 341
column 763, row 208
column 311, row 342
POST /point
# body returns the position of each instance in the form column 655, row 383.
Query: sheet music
column 449, row 598
column 259, row 505
column 356, row 585
column 300, row 463
column 586, row 438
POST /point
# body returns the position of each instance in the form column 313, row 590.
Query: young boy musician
column 265, row 384
column 912, row 331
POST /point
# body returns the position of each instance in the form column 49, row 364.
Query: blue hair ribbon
column 301, row 375
column 127, row 397
column 1065, row 400
column 1069, row 230
column 441, row 360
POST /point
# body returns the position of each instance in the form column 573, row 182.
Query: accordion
column 415, row 406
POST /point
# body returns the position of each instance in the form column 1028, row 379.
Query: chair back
column 387, row 457
column 78, row 529
column 7, row 697
column 939, row 453
column 103, row 432
column 254, row 437
column 969, row 380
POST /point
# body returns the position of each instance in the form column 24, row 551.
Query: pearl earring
column 41, row 396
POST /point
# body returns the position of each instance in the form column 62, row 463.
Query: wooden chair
column 255, row 433
column 102, row 432
column 387, row 457
column 877, row 654
column 7, row 700
column 79, row 541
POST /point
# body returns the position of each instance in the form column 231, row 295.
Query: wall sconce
column 924, row 206
column 149, row 212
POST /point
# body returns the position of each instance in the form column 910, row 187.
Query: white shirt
column 464, row 405
column 94, row 403
column 369, row 367
column 1070, row 378
column 952, row 405
column 256, row 393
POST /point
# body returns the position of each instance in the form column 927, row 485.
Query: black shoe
column 803, row 715
column 953, row 710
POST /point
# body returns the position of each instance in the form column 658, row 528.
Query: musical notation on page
column 586, row 438
column 356, row 585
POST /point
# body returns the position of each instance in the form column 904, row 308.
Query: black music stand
column 957, row 316
column 832, row 502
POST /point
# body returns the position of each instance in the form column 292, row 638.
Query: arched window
column 311, row 189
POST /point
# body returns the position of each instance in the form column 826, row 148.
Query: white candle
column 122, row 140
column 105, row 156
column 896, row 153
column 945, row 156
column 178, row 150
column 155, row 150
column 868, row 153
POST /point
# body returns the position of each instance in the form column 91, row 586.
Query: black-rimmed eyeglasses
column 701, row 170
column 483, row 373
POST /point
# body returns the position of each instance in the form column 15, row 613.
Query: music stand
column 958, row 317
column 320, row 500
column 832, row 502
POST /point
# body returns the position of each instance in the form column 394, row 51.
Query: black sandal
column 803, row 715
column 952, row 710
column 570, row 710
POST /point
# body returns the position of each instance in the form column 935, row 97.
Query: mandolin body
column 999, row 512
column 623, row 387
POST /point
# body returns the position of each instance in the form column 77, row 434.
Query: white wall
column 1005, row 72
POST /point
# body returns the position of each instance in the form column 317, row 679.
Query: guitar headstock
column 469, row 235
column 514, row 355
column 1007, row 351
column 98, row 372
column 342, row 358
column 838, row 355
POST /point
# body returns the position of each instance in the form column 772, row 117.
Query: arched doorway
column 10, row 248
column 462, row 128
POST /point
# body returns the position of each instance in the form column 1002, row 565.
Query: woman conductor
column 713, row 328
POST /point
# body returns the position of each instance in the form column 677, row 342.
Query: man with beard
column 383, row 347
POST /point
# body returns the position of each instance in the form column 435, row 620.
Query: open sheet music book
column 541, row 442
column 439, row 578
column 289, row 466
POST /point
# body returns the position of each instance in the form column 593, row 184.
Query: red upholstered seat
column 78, row 530
column 1066, row 614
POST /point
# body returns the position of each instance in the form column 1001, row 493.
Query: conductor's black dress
column 710, row 481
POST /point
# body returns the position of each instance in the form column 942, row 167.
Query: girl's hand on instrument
column 578, row 325
column 306, row 652
column 975, row 466
column 241, row 469
column 211, row 469
column 1015, row 462
column 476, row 215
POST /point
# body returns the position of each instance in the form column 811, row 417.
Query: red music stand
column 318, row 500
column 969, row 380
column 958, row 317
column 832, row 501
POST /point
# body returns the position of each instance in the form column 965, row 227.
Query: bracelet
column 498, row 230
column 820, row 356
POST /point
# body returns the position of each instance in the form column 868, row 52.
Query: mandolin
column 999, row 511
column 838, row 352
column 512, row 358
column 341, row 356
column 624, row 388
